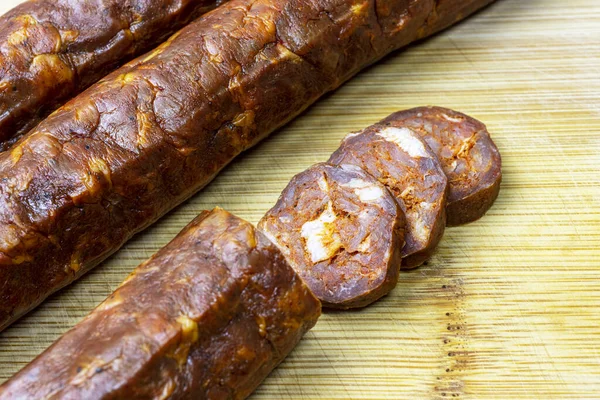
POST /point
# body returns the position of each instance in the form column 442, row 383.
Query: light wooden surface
column 509, row 307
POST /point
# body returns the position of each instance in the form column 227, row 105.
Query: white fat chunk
column 366, row 191
column 406, row 139
column 451, row 119
column 419, row 228
column 322, row 242
column 323, row 185
column 365, row 245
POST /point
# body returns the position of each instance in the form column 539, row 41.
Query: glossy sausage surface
column 117, row 157
column 51, row 50
column 207, row 317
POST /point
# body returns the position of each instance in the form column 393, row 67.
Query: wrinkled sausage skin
column 467, row 154
column 145, row 138
column 404, row 163
column 207, row 317
column 51, row 50
column 342, row 231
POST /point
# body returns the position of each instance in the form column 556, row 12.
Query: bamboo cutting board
column 509, row 306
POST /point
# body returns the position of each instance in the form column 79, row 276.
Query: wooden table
column 509, row 306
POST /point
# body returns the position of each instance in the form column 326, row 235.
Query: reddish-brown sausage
column 403, row 162
column 342, row 231
column 207, row 317
column 51, row 50
column 467, row 154
column 120, row 155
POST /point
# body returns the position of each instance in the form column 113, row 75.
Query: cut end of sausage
column 466, row 152
column 342, row 231
column 208, row 316
column 402, row 161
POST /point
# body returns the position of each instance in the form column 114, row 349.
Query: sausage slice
column 207, row 317
column 403, row 162
column 342, row 232
column 467, row 154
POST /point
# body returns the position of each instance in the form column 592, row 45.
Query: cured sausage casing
column 403, row 162
column 341, row 231
column 145, row 138
column 50, row 50
column 207, row 317
column 469, row 157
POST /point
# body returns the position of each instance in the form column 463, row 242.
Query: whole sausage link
column 145, row 138
column 207, row 317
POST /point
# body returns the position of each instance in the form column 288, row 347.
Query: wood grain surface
column 509, row 306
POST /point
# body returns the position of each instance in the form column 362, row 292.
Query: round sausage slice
column 403, row 162
column 342, row 232
column 467, row 154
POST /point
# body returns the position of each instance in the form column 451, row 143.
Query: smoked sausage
column 403, row 162
column 467, row 154
column 207, row 317
column 342, row 231
column 119, row 156
column 50, row 50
